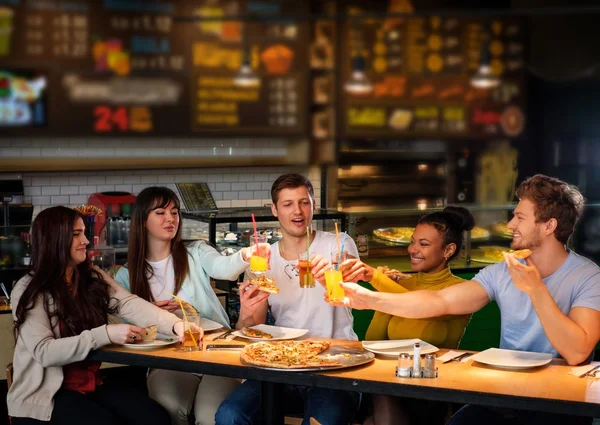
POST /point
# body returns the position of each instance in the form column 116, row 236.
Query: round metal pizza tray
column 348, row 357
column 402, row 241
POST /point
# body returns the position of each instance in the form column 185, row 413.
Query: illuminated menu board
column 131, row 68
column 420, row 68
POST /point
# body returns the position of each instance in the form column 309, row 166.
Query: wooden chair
column 9, row 372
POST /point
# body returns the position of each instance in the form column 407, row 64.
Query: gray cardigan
column 40, row 352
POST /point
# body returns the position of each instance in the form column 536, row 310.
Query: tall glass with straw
column 333, row 276
column 192, row 337
column 306, row 278
column 259, row 262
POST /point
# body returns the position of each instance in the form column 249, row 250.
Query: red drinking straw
column 255, row 233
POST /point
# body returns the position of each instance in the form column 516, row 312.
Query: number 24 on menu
column 122, row 119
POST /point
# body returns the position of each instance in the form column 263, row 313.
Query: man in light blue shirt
column 548, row 303
column 576, row 283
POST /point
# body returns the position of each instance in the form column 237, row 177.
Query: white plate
column 278, row 332
column 209, row 325
column 393, row 347
column 511, row 359
column 159, row 342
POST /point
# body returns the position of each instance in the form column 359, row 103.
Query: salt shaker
column 404, row 366
column 429, row 368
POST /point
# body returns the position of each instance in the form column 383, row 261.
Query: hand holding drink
column 193, row 333
column 306, row 277
column 333, row 276
column 259, row 261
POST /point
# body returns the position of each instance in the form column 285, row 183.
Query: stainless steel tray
column 403, row 241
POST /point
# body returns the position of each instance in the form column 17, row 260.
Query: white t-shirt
column 162, row 283
column 305, row 308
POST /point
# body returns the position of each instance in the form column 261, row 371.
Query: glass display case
column 388, row 233
column 14, row 254
column 229, row 229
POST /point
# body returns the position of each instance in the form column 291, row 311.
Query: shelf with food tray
column 229, row 229
column 389, row 232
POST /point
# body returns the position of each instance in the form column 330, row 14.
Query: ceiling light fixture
column 484, row 78
column 358, row 83
column 246, row 77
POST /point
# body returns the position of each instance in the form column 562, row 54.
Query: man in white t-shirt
column 296, row 307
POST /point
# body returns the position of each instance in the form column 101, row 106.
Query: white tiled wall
column 143, row 148
column 231, row 187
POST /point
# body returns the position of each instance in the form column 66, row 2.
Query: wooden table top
column 549, row 388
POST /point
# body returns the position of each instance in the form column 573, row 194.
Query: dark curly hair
column 452, row 222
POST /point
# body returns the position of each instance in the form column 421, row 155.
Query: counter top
column 402, row 263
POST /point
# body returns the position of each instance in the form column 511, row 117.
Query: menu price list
column 420, row 69
column 123, row 67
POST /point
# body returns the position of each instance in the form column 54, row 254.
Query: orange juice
column 307, row 279
column 333, row 278
column 258, row 264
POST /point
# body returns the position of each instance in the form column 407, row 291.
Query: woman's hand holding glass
column 259, row 255
column 182, row 327
column 263, row 249
column 354, row 270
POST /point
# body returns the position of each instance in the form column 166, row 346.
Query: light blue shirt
column 205, row 262
column 575, row 284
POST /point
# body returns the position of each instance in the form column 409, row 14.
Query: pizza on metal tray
column 287, row 354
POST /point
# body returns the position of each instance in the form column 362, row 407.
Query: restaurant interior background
column 390, row 109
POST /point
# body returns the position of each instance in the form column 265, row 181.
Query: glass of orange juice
column 333, row 276
column 259, row 261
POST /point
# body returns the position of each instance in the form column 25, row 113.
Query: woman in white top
column 159, row 264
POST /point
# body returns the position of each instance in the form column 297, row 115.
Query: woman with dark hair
column 61, row 314
column 437, row 239
column 159, row 264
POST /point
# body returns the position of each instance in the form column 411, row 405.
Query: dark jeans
column 329, row 407
column 108, row 405
column 477, row 415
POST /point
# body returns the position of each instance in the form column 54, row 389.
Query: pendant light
column 358, row 83
column 246, row 77
column 484, row 78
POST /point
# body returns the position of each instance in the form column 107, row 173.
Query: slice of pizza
column 255, row 333
column 189, row 309
column 393, row 274
column 521, row 253
column 265, row 284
